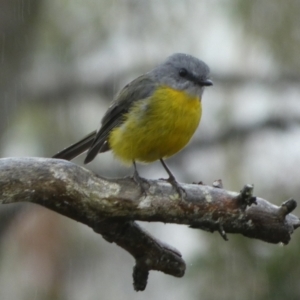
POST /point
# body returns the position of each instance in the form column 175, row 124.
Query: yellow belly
column 157, row 127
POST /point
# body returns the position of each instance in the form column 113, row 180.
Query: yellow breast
column 156, row 127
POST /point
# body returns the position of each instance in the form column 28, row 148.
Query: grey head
column 183, row 72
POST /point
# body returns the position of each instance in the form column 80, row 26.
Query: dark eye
column 183, row 72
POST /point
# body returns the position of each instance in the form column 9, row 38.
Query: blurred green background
column 62, row 61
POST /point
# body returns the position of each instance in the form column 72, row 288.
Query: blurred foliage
column 18, row 22
column 246, row 269
column 276, row 24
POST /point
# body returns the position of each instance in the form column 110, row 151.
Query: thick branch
column 111, row 206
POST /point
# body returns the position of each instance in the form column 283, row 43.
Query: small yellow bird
column 152, row 118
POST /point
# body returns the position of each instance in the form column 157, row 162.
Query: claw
column 180, row 190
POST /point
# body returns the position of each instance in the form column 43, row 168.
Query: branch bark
column 110, row 207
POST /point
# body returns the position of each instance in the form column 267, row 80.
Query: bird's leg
column 172, row 180
column 140, row 181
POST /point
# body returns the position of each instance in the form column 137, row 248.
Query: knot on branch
column 286, row 208
column 245, row 197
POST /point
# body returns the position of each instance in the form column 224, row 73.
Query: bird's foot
column 141, row 182
column 180, row 190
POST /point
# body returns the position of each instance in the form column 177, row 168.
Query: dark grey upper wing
column 139, row 89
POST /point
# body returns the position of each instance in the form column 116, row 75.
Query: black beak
column 206, row 82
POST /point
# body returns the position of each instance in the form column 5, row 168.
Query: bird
column 152, row 118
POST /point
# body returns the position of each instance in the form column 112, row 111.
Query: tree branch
column 110, row 206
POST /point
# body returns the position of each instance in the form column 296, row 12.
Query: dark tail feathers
column 77, row 148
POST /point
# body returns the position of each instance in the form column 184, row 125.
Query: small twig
column 222, row 232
